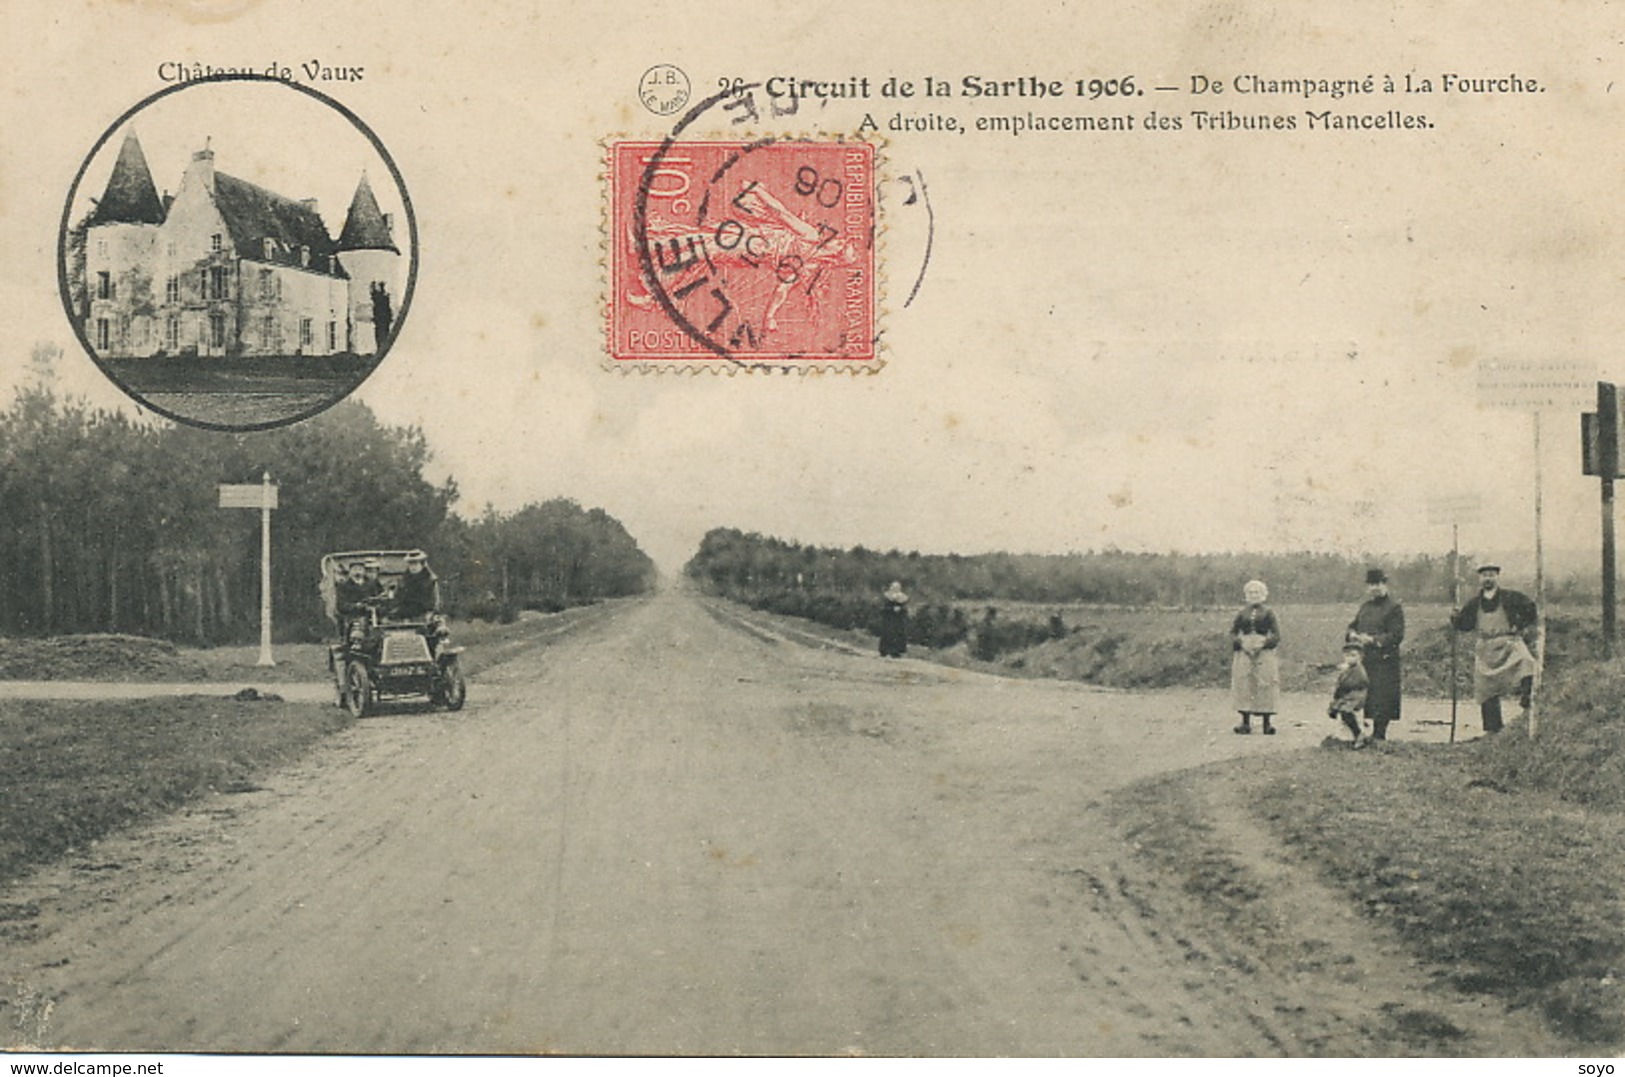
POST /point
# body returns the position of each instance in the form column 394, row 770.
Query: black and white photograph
column 915, row 532
column 206, row 273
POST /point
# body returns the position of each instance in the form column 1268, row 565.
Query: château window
column 172, row 290
column 305, row 334
column 104, row 334
column 217, row 330
column 268, row 332
column 214, row 286
column 332, row 336
column 304, row 256
column 216, row 242
column 104, row 285
column 172, row 333
column 270, row 248
column 267, row 284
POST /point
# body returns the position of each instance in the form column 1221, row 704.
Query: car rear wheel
column 357, row 689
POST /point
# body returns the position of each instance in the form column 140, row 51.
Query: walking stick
column 1455, row 637
column 1455, row 649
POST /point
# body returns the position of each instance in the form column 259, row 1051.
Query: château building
column 228, row 268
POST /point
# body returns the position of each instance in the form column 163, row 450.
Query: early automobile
column 389, row 646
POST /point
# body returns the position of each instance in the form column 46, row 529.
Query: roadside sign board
column 1601, row 433
column 247, row 496
column 1536, row 384
column 1455, row 508
column 1589, row 434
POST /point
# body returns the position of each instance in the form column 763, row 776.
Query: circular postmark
column 664, row 89
column 237, row 252
column 759, row 252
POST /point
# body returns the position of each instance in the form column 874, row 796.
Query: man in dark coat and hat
column 1379, row 628
column 1503, row 663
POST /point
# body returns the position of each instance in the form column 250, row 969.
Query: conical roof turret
column 130, row 197
column 365, row 226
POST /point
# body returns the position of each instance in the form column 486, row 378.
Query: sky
column 1193, row 340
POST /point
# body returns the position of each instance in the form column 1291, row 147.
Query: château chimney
column 203, row 166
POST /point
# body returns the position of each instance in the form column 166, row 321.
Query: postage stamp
column 748, row 255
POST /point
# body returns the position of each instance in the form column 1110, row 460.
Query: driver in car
column 353, row 593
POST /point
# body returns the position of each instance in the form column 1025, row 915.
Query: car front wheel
column 357, row 689
column 453, row 688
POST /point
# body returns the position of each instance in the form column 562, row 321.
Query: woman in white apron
column 1255, row 669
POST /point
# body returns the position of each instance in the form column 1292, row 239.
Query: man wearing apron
column 1505, row 624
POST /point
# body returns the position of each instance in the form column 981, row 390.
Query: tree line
column 739, row 564
column 841, row 587
column 113, row 524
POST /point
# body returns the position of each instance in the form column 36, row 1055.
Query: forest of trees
column 113, row 525
column 736, row 563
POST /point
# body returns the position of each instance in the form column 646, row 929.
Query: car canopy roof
column 391, row 564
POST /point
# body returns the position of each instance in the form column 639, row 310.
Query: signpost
column 1454, row 510
column 1535, row 386
column 1599, row 440
column 264, row 498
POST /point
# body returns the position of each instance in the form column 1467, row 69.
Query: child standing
column 1348, row 698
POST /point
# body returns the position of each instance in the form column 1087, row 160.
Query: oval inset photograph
column 238, row 252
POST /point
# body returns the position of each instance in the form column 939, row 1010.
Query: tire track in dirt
column 1283, row 950
column 661, row 835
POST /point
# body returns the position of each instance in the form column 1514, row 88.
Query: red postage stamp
column 747, row 254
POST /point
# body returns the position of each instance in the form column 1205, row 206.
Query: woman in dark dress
column 415, row 596
column 894, row 622
column 1379, row 628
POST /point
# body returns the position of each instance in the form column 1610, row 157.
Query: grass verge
column 1148, row 648
column 1579, row 754
column 111, row 657
column 71, row 772
column 1514, row 894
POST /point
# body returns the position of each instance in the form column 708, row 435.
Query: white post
column 1540, row 596
column 265, row 572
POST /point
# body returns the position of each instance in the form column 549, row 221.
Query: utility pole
column 1456, row 510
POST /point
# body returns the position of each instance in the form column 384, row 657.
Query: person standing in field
column 1255, row 668
column 894, row 621
column 1379, row 628
column 1503, row 663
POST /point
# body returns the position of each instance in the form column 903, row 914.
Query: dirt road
column 671, row 834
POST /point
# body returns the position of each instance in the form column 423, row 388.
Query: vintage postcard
column 913, row 530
